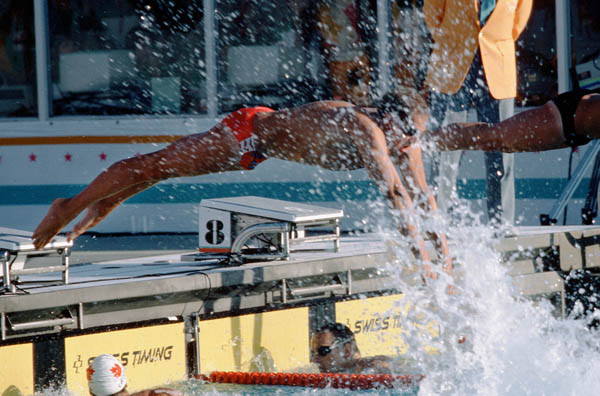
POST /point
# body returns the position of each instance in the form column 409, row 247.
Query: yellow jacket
column 456, row 32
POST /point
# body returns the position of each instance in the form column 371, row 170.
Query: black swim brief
column 567, row 106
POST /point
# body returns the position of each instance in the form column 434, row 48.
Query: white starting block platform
column 16, row 246
column 257, row 228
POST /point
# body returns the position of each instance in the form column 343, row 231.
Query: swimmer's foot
column 58, row 216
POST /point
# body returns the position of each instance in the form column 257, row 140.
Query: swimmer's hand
column 403, row 143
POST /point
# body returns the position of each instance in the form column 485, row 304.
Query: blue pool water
column 196, row 388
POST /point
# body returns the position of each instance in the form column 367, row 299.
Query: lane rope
column 321, row 380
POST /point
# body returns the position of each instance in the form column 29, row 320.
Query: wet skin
column 333, row 135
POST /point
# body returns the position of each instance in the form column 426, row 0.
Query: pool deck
column 125, row 286
column 124, row 279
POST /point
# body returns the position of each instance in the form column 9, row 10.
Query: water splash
column 514, row 346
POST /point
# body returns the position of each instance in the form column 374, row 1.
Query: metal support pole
column 80, row 316
column 569, row 190
column 6, row 285
column 42, row 58
column 210, row 37
column 284, row 291
column 349, row 282
column 196, row 319
column 563, row 44
column 383, row 45
column 285, row 241
column 65, row 262
column 336, row 241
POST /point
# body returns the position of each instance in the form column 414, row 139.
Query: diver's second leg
column 96, row 212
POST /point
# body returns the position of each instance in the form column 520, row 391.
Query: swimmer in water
column 334, row 350
column 106, row 377
column 332, row 134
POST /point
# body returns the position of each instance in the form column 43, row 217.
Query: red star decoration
column 102, row 157
column 90, row 372
column 116, row 370
column 32, row 157
column 68, row 157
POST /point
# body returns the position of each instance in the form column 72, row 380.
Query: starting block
column 257, row 228
column 16, row 246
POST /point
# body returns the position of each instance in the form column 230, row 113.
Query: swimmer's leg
column 96, row 212
column 213, row 151
column 545, row 128
column 537, row 129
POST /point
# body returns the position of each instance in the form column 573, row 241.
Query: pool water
column 198, row 388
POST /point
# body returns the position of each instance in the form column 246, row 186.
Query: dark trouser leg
column 488, row 111
column 495, row 171
column 437, row 111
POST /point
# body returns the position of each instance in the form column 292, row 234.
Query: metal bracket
column 16, row 246
column 269, row 228
column 315, row 291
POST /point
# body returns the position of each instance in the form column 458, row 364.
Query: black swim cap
column 394, row 104
column 340, row 332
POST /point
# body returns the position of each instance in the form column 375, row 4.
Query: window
column 17, row 59
column 116, row 57
column 411, row 43
column 585, row 21
column 264, row 56
column 536, row 56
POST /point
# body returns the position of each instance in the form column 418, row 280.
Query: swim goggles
column 325, row 350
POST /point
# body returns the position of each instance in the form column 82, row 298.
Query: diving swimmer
column 332, row 134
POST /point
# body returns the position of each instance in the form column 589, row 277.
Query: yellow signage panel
column 152, row 356
column 264, row 342
column 380, row 324
column 16, row 370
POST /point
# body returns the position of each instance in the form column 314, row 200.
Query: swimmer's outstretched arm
column 537, row 129
column 371, row 144
column 410, row 161
column 159, row 392
column 214, row 151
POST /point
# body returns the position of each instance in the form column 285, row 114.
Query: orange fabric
column 241, row 123
column 456, row 31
